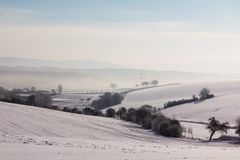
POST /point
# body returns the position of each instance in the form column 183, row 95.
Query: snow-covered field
column 36, row 133
column 74, row 99
column 225, row 106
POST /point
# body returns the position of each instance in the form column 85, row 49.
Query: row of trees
column 31, row 90
column 149, row 118
column 146, row 116
column 143, row 84
column 180, row 102
column 38, row 99
column 86, row 111
column 146, row 83
column 203, row 94
column 26, row 96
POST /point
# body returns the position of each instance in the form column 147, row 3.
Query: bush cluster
column 106, row 100
column 148, row 118
column 27, row 96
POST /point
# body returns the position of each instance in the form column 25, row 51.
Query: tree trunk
column 211, row 135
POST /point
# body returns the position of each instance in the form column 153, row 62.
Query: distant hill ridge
column 77, row 64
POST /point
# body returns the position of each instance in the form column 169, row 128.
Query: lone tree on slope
column 113, row 86
column 145, row 83
column 215, row 126
column 204, row 93
column 60, row 89
column 154, row 82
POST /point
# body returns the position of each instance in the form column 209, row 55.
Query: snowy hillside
column 225, row 106
column 41, row 134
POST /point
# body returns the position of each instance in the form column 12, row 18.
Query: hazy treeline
column 75, row 79
column 27, row 96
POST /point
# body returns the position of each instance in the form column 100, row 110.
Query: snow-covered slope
column 33, row 121
column 41, row 134
column 225, row 106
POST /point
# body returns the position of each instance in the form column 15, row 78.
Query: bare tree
column 215, row 126
column 60, row 89
column 145, row 83
column 33, row 89
column 113, row 86
column 154, row 82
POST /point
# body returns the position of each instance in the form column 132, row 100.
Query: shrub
column 55, row 107
column 74, row 110
column 143, row 112
column 154, row 82
column 88, row 111
column 110, row 112
column 174, row 122
column 174, row 131
column 31, row 100
column 147, row 122
column 106, row 100
column 121, row 112
column 131, row 115
column 156, row 122
column 166, row 126
column 163, row 127
column 43, row 100
column 66, row 109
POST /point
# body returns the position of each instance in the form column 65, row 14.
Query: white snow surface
column 28, row 133
column 225, row 106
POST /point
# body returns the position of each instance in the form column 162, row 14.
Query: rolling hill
column 35, row 133
column 224, row 106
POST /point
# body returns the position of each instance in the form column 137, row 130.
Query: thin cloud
column 9, row 13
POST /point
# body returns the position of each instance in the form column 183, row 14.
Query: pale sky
column 181, row 35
